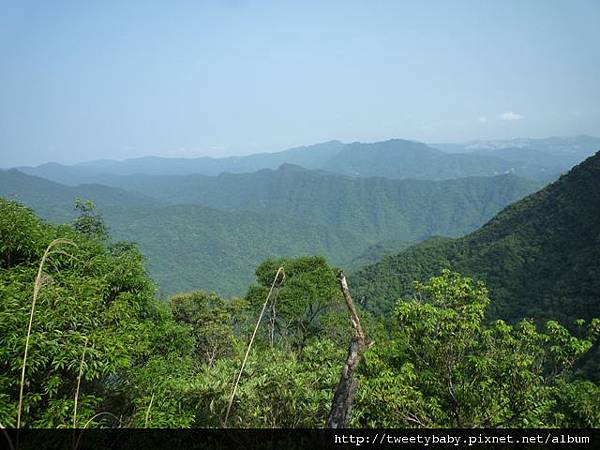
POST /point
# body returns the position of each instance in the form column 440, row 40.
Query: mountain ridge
column 540, row 256
column 372, row 206
column 393, row 158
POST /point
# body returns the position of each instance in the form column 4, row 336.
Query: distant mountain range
column 575, row 145
column 211, row 232
column 554, row 154
column 538, row 159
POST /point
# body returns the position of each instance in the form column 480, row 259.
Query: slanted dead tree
column 341, row 407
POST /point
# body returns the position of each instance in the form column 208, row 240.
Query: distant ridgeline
column 211, row 232
column 540, row 257
column 538, row 159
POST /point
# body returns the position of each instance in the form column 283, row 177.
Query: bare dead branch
column 341, row 407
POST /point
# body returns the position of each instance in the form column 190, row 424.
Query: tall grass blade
column 148, row 411
column 36, row 290
column 237, row 381
column 79, row 384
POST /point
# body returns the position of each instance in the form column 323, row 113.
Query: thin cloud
column 482, row 119
column 509, row 115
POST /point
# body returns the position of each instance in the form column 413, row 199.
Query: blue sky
column 89, row 80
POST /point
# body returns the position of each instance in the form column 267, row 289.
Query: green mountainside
column 187, row 246
column 54, row 201
column 376, row 252
column 540, row 256
column 210, row 232
column 374, row 208
column 193, row 247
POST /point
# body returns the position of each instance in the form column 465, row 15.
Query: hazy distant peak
column 97, row 163
column 391, row 145
column 391, row 141
column 403, row 141
column 288, row 167
column 50, row 165
column 333, row 142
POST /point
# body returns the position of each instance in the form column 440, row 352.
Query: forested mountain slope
column 187, row 246
column 103, row 352
column 540, row 256
column 375, row 208
column 193, row 247
column 374, row 253
column 283, row 213
column 54, row 201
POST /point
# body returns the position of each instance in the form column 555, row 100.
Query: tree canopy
column 104, row 351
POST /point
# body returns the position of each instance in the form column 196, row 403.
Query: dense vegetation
column 368, row 208
column 444, row 367
column 376, row 252
column 543, row 250
column 190, row 245
column 211, row 231
column 100, row 336
column 104, row 352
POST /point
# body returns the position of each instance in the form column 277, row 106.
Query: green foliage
column 540, row 257
column 191, row 246
column 576, row 404
column 376, row 252
column 443, row 367
column 210, row 319
column 278, row 388
column 367, row 209
column 304, row 305
column 148, row 363
column 89, row 222
column 97, row 298
column 21, row 235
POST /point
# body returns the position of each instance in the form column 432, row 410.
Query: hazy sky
column 86, row 80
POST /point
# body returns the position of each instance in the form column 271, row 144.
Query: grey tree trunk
column 341, row 407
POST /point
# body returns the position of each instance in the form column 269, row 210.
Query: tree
column 278, row 388
column 444, row 367
column 94, row 325
column 210, row 320
column 307, row 304
column 89, row 222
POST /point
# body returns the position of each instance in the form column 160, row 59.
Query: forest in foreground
column 102, row 351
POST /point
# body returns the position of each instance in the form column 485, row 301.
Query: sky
column 109, row 79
